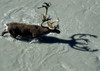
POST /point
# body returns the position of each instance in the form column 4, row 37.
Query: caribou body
column 27, row 30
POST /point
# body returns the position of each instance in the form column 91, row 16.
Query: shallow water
column 76, row 48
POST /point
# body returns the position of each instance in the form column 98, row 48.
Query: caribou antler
column 50, row 24
column 43, row 17
column 46, row 6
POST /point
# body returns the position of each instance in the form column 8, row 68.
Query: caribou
column 33, row 31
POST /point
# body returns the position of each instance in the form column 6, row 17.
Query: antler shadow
column 77, row 41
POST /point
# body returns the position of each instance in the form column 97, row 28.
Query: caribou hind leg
column 4, row 32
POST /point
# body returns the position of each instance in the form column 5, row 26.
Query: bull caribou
column 33, row 31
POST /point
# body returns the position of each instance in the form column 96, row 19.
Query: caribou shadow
column 75, row 42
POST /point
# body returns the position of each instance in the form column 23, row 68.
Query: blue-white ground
column 57, row 52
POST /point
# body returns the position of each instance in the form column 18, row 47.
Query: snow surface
column 76, row 48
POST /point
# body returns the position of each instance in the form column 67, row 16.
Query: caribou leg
column 4, row 32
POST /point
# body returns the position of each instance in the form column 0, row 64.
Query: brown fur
column 27, row 30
